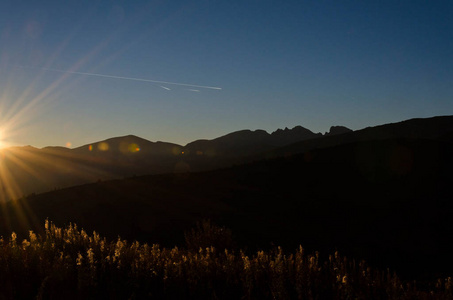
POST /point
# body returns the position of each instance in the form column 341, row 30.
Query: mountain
column 239, row 147
column 128, row 146
column 386, row 200
column 247, row 142
column 30, row 170
column 27, row 170
column 334, row 130
column 435, row 128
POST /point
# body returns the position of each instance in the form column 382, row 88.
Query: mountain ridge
column 262, row 132
column 384, row 200
column 33, row 170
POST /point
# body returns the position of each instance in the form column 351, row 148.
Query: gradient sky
column 279, row 64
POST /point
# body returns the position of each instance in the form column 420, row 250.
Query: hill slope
column 387, row 200
column 29, row 170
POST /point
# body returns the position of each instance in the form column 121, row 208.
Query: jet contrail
column 135, row 79
column 165, row 88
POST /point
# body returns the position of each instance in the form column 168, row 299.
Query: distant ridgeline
column 381, row 193
column 35, row 170
column 31, row 170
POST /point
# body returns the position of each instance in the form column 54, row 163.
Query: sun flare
column 2, row 142
column 4, row 138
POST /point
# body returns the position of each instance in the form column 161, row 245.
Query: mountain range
column 381, row 193
column 31, row 170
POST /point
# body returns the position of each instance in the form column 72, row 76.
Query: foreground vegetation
column 67, row 263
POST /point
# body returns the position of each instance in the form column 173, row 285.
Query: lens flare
column 103, row 146
column 132, row 148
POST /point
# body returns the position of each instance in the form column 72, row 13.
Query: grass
column 68, row 263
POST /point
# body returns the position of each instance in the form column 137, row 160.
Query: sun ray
column 19, row 109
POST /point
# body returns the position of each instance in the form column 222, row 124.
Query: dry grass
column 68, row 263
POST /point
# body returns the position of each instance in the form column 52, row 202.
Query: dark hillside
column 246, row 142
column 435, row 128
column 387, row 201
column 28, row 170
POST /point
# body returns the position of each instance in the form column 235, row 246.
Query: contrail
column 165, row 88
column 135, row 79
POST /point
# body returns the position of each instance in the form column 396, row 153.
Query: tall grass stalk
column 68, row 263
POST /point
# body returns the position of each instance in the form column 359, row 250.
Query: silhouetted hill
column 288, row 136
column 240, row 147
column 129, row 145
column 29, row 170
column 385, row 200
column 337, row 130
column 243, row 142
column 435, row 128
column 247, row 142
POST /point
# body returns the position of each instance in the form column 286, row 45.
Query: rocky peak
column 334, row 130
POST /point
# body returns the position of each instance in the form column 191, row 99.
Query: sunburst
column 2, row 141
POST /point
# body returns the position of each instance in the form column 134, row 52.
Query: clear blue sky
column 279, row 64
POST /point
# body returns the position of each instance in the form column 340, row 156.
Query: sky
column 77, row 72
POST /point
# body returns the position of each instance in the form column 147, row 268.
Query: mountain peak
column 287, row 136
column 334, row 130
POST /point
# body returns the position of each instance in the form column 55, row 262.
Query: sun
column 2, row 142
column 5, row 135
